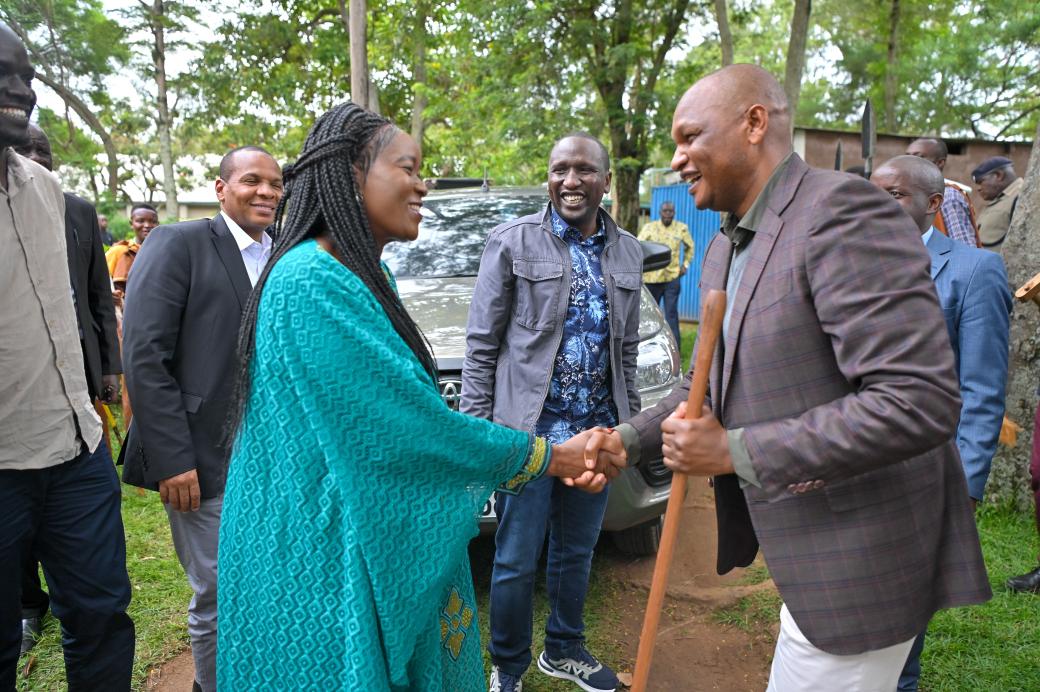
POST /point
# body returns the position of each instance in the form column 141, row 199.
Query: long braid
column 322, row 195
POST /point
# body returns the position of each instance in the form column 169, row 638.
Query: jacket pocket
column 537, row 293
column 627, row 288
column 191, row 402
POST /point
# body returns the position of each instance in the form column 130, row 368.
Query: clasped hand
column 695, row 446
column 589, row 459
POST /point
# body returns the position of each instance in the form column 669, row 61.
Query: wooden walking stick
column 707, row 337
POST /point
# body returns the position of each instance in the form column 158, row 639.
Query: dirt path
column 694, row 652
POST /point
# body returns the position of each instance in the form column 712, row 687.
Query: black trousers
column 68, row 517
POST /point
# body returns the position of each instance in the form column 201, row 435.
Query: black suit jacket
column 184, row 302
column 88, row 272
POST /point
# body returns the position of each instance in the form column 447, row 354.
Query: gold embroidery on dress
column 455, row 621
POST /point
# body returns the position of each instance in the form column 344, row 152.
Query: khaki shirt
column 45, row 412
column 995, row 218
column 674, row 236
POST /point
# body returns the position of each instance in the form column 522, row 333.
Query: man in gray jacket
column 551, row 347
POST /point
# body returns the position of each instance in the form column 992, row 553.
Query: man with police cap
column 998, row 185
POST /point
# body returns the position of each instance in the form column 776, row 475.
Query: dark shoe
column 195, row 686
column 31, row 629
column 1025, row 583
column 583, row 669
column 504, row 682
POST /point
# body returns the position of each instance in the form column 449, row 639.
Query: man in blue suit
column 973, row 291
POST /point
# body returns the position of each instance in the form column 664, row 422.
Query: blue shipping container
column 703, row 226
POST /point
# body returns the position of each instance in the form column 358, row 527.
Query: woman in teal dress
column 353, row 490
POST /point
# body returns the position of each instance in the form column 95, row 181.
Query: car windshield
column 453, row 231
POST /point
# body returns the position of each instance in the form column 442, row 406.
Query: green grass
column 688, row 331
column 993, row 646
column 987, row 648
column 158, row 606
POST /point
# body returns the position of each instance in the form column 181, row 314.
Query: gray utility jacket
column 517, row 316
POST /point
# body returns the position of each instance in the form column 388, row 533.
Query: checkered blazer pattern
column 838, row 367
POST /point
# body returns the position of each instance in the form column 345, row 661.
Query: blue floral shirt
column 579, row 394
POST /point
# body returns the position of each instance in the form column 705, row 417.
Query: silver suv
column 436, row 275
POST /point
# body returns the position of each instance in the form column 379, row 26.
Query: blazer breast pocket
column 537, row 291
column 772, row 289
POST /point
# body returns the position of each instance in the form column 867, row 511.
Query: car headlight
column 658, row 362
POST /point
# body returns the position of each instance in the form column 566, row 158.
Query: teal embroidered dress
column 352, row 494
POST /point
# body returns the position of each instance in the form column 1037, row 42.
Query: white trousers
column 798, row 666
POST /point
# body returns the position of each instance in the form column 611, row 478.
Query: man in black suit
column 184, row 301
column 96, row 318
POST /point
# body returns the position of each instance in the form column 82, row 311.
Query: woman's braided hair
column 323, row 197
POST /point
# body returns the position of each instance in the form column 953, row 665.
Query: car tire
column 639, row 540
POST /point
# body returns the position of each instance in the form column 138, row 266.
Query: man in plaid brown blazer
column 834, row 401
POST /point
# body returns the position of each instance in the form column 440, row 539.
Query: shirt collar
column 241, row 237
column 560, row 227
column 18, row 173
column 740, row 232
column 927, row 235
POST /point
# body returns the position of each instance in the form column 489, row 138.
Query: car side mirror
column 655, row 256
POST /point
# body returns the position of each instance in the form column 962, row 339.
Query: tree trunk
column 796, row 54
column 83, row 111
column 725, row 37
column 358, row 18
column 891, row 65
column 1009, row 478
column 419, row 74
column 626, row 203
column 163, row 123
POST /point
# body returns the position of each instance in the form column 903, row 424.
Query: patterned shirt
column 956, row 217
column 579, row 394
column 675, row 236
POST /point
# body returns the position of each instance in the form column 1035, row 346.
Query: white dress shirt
column 254, row 254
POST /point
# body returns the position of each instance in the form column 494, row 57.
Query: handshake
column 589, row 459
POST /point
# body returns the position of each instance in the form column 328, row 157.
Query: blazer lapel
column 230, row 255
column 939, row 248
column 760, row 249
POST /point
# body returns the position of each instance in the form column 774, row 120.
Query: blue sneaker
column 504, row 682
column 589, row 674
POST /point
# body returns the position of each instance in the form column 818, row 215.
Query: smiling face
column 17, row 99
column 143, row 220
column 393, row 192
column 710, row 152
column 578, row 179
column 251, row 193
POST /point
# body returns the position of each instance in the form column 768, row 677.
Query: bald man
column 956, row 217
column 973, row 291
column 833, row 397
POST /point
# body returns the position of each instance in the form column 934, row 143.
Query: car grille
column 451, row 392
column 656, row 473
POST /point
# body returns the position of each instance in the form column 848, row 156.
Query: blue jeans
column 669, row 290
column 68, row 517
column 911, row 674
column 573, row 519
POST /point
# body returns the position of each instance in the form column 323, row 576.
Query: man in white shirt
column 58, row 503
column 184, row 302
